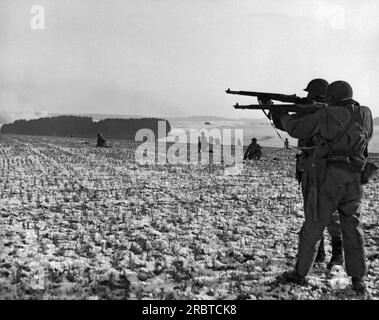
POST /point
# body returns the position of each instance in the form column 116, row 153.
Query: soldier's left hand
column 277, row 112
column 265, row 101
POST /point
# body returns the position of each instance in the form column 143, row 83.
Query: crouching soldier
column 335, row 167
column 253, row 151
column 100, row 141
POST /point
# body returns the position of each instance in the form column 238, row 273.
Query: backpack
column 354, row 159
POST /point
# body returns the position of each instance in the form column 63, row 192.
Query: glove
column 305, row 101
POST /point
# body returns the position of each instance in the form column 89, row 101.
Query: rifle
column 265, row 96
column 298, row 108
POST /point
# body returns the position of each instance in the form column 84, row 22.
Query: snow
column 82, row 223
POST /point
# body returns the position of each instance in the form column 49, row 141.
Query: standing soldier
column 316, row 89
column 343, row 130
column 286, row 144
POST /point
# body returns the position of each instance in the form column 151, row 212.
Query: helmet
column 317, row 87
column 254, row 140
column 339, row 91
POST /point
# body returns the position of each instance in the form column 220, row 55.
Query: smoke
column 14, row 107
column 8, row 116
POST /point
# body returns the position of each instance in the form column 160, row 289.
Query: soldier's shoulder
column 339, row 110
column 366, row 115
column 365, row 109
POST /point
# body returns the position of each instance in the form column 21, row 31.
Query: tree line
column 83, row 127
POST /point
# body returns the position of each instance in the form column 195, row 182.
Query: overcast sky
column 176, row 57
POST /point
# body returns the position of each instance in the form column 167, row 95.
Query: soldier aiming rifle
column 336, row 170
column 313, row 102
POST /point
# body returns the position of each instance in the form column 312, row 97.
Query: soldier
column 334, row 170
column 253, row 151
column 316, row 89
column 100, row 141
column 286, row 143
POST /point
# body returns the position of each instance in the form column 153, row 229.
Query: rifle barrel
column 291, row 98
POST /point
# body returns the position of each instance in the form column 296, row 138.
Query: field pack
column 368, row 172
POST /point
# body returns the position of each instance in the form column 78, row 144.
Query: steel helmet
column 317, row 87
column 339, row 91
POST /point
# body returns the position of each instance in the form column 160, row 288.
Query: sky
column 177, row 57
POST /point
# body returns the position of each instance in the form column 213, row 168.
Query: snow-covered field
column 78, row 222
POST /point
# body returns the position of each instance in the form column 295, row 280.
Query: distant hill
column 99, row 116
column 201, row 118
column 84, row 127
column 215, row 118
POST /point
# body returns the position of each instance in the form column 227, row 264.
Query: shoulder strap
column 353, row 119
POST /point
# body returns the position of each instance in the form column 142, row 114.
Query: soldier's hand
column 304, row 101
column 277, row 112
column 275, row 117
column 263, row 100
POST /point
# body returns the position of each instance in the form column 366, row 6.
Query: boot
column 337, row 255
column 359, row 285
column 293, row 276
column 320, row 258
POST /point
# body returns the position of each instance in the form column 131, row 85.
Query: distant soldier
column 211, row 142
column 286, row 144
column 199, row 145
column 203, row 143
column 100, row 141
column 253, row 151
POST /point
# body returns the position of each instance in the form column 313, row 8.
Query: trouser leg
column 334, row 226
column 305, row 189
column 311, row 231
column 335, row 232
column 334, row 229
column 310, row 237
column 321, row 251
column 353, row 237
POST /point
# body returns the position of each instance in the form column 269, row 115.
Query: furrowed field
column 77, row 222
